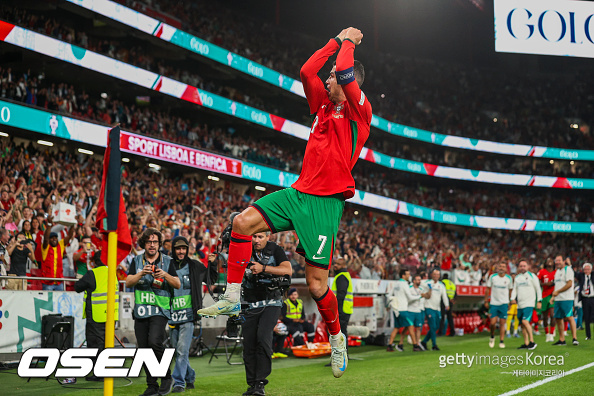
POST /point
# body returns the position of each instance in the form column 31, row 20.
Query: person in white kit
column 526, row 291
column 416, row 308
column 461, row 275
column 475, row 274
column 437, row 294
column 403, row 294
column 499, row 288
column 563, row 296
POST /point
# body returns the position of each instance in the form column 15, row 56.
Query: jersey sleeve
column 358, row 104
column 569, row 276
column 537, row 288
column 514, row 293
column 444, row 296
column 312, row 85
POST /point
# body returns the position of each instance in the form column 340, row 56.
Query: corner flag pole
column 112, row 250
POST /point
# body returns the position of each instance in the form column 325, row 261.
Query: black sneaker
column 190, row 385
column 523, row 346
column 424, row 345
column 249, row 391
column 435, row 348
column 259, row 389
column 575, row 342
column 417, row 348
column 150, row 391
column 178, row 389
column 166, row 386
column 532, row 346
column 560, row 343
column 400, row 348
column 390, row 348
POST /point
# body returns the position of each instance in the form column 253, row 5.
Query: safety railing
column 63, row 281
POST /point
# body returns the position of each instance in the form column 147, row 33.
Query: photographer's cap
column 291, row 291
column 180, row 242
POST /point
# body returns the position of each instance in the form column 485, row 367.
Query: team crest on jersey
column 337, row 110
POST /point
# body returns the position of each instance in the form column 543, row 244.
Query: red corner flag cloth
column 111, row 212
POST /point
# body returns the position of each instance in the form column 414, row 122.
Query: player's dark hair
column 147, row 234
column 359, row 72
column 403, row 272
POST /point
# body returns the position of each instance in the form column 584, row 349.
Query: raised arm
column 345, row 76
column 312, row 85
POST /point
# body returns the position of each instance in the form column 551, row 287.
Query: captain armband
column 345, row 76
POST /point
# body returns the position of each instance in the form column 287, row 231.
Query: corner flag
column 111, row 212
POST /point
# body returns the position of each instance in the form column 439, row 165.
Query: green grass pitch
column 372, row 371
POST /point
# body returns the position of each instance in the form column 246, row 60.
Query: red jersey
column 51, row 265
column 545, row 276
column 339, row 131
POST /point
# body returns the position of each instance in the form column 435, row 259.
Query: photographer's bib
column 148, row 299
column 181, row 305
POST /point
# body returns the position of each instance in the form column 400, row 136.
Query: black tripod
column 198, row 346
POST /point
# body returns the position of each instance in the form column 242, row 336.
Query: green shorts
column 546, row 304
column 315, row 219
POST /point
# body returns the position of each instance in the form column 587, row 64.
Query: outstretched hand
column 354, row 35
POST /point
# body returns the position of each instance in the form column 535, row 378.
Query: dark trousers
column 588, row 307
column 150, row 333
column 258, row 329
column 95, row 335
column 446, row 313
column 298, row 329
column 278, row 342
column 344, row 322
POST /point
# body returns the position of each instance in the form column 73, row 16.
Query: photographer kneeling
column 264, row 283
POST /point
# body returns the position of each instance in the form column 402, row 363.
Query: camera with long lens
column 273, row 282
column 232, row 326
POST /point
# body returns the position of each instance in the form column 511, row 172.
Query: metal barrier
column 122, row 283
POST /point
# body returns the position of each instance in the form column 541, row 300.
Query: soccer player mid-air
column 314, row 204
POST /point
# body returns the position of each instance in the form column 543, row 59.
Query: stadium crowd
column 34, row 89
column 375, row 246
column 456, row 117
column 459, row 100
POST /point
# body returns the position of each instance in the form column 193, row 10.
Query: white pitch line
column 544, row 381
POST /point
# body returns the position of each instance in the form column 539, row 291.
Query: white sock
column 233, row 291
column 335, row 339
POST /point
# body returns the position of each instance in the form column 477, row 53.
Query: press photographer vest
column 181, row 304
column 254, row 293
column 148, row 300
